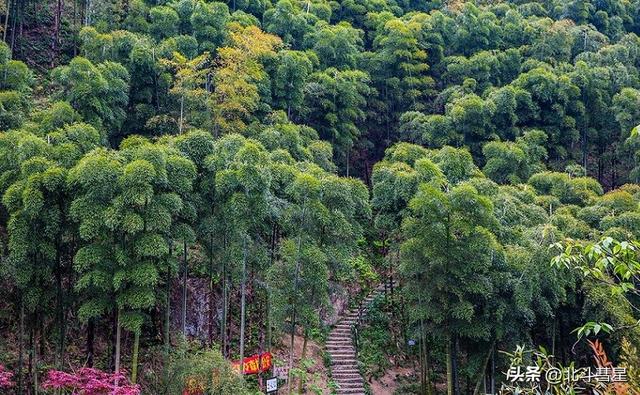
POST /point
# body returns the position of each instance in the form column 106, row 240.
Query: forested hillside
column 188, row 183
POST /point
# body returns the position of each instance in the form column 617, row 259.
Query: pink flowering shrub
column 5, row 378
column 88, row 381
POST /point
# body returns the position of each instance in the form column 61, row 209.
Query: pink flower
column 5, row 378
column 89, row 381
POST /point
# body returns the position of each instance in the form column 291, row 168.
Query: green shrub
column 204, row 368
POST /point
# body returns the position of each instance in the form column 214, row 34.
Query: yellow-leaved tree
column 237, row 77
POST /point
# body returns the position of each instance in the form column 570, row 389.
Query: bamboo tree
column 134, row 356
column 185, row 276
column 135, row 183
column 243, row 290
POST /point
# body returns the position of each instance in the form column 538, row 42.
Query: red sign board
column 255, row 364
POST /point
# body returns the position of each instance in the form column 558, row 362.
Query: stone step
column 343, row 358
column 350, row 382
column 339, row 340
column 345, row 369
column 345, row 372
column 340, row 377
column 342, row 327
column 350, row 362
column 347, row 341
column 353, row 375
column 351, row 391
column 354, row 314
column 338, row 351
column 344, row 338
column 342, row 354
column 342, row 351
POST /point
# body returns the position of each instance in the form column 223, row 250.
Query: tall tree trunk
column 185, row 271
column 87, row 12
column 293, row 314
column 454, row 363
column 116, row 361
column 6, row 20
column 55, row 40
column 211, row 291
column 21, row 348
column 90, row 341
column 181, row 113
column 134, row 357
column 60, row 311
column 167, row 312
column 34, row 351
column 421, row 363
column 13, row 27
column 302, row 357
column 295, row 292
column 482, row 377
column 272, row 257
column 449, row 366
column 223, row 324
column 291, row 345
column 41, row 336
column 493, row 370
column 553, row 336
column 267, row 310
column 75, row 27
column 347, row 160
column 21, row 25
column 243, row 290
column 424, row 354
column 225, row 299
column 614, row 175
column 585, row 148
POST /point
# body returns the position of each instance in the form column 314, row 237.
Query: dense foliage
column 225, row 170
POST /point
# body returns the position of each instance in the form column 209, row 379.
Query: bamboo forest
column 366, row 197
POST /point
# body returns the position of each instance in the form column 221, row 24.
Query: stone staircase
column 340, row 346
